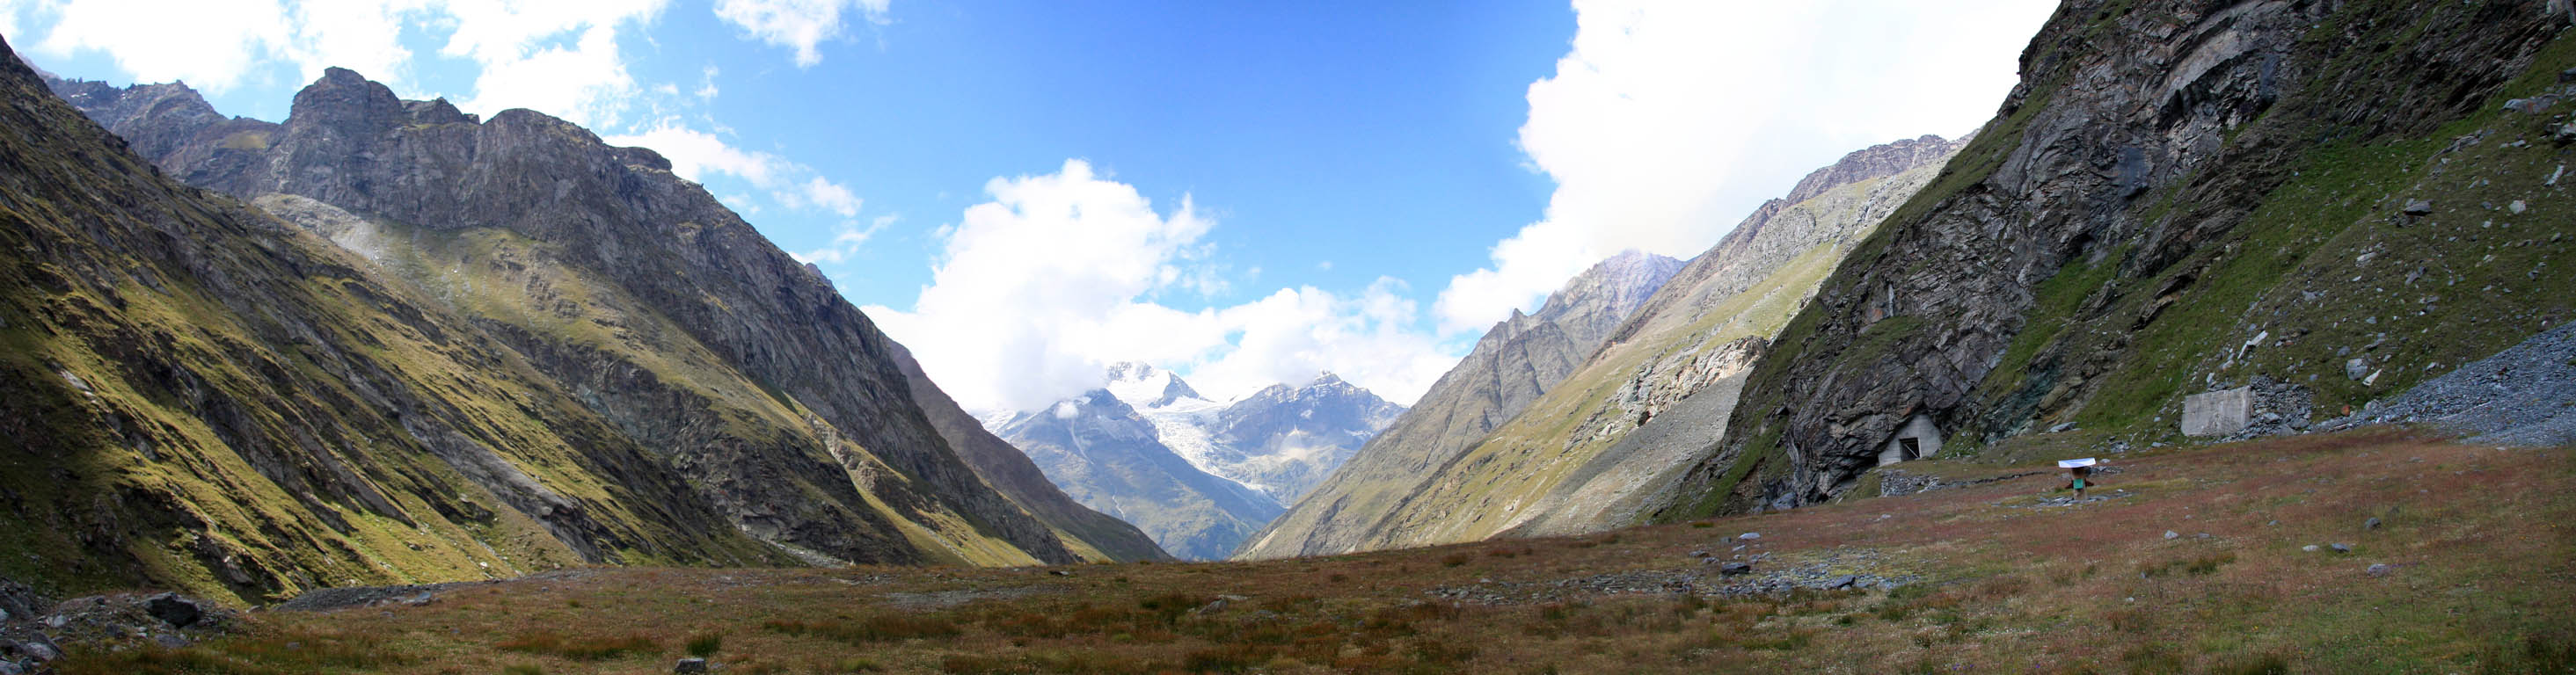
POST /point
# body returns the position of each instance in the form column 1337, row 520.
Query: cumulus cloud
column 210, row 44
column 1669, row 120
column 1057, row 276
column 797, row 24
column 822, row 194
column 559, row 58
column 695, row 155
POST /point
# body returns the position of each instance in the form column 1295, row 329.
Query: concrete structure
column 1918, row 439
column 2217, row 413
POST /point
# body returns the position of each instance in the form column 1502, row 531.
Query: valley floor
column 2187, row 560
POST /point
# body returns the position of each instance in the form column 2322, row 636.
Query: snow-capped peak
column 1144, row 386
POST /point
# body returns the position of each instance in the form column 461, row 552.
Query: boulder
column 1735, row 569
column 690, row 665
column 2419, row 207
column 174, row 610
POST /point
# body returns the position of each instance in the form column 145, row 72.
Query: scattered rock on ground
column 2524, row 395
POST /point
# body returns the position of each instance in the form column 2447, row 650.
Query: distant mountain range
column 1195, row 474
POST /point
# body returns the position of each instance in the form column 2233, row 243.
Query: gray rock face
column 2115, row 107
column 746, row 372
column 1511, row 366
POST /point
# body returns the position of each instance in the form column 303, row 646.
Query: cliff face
column 207, row 398
column 1515, row 362
column 2183, row 196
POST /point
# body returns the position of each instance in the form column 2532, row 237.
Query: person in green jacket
column 2083, row 478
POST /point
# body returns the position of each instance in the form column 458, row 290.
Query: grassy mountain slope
column 205, row 398
column 671, row 315
column 1513, row 364
column 1588, row 456
column 2182, row 197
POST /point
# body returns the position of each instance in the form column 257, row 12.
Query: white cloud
column 209, row 43
column 1295, row 333
column 798, row 24
column 361, row 35
column 558, row 58
column 846, row 241
column 695, row 155
column 707, row 85
column 822, row 194
column 1669, row 120
column 1039, row 289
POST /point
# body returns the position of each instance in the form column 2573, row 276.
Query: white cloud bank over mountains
column 1037, row 291
column 1669, row 120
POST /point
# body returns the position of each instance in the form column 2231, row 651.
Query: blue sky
column 1026, row 191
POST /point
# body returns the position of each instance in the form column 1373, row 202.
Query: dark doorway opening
column 1913, row 448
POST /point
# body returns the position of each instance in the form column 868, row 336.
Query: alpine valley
column 2240, row 338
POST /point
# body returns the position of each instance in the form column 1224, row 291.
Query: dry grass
column 2475, row 534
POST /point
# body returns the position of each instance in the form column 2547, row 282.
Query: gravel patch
column 2524, row 395
column 327, row 599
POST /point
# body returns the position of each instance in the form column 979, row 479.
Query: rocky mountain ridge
column 1516, row 361
column 1600, row 446
column 762, row 394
